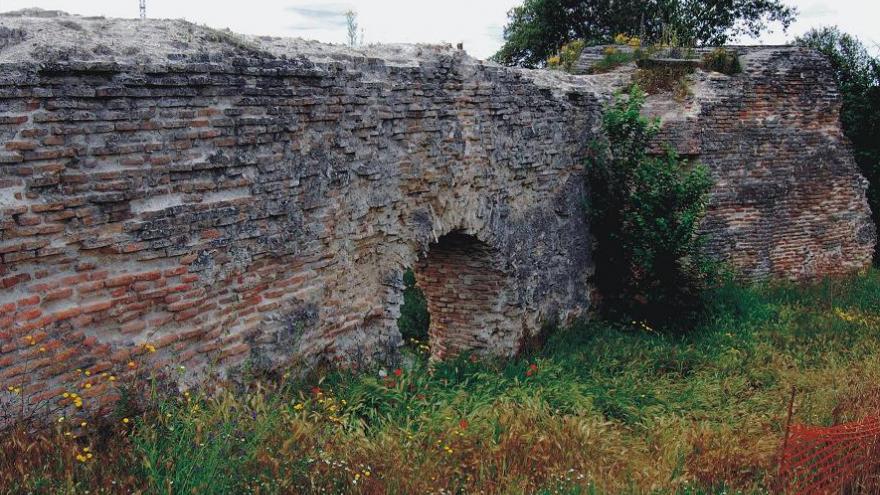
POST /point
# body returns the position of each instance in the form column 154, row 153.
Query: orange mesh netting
column 836, row 459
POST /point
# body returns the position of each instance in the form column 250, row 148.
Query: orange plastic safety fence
column 837, row 459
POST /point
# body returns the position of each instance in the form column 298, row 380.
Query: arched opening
column 463, row 287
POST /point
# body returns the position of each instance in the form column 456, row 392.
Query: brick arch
column 467, row 294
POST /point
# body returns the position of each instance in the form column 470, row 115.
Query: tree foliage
column 644, row 212
column 537, row 28
column 858, row 77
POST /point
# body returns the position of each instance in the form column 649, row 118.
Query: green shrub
column 613, row 58
column 723, row 61
column 568, row 55
column 414, row 318
column 644, row 213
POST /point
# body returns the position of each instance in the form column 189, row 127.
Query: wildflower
column 398, row 372
column 298, row 406
column 125, row 420
column 87, row 385
column 533, row 370
column 132, row 365
column 112, row 378
column 150, row 348
column 83, row 425
column 42, row 349
column 463, row 424
column 317, row 391
column 88, row 373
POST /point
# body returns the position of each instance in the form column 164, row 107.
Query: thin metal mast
column 143, row 9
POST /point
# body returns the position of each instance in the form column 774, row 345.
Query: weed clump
column 723, row 61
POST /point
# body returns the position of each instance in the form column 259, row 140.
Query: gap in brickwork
column 462, row 286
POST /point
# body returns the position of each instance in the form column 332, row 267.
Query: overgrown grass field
column 601, row 408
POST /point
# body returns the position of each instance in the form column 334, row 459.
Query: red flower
column 463, row 424
column 317, row 390
column 533, row 370
column 398, row 372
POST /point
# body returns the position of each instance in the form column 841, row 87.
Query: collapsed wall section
column 788, row 199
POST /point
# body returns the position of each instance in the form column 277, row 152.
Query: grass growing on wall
column 601, row 409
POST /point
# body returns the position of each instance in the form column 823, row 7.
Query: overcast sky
column 476, row 23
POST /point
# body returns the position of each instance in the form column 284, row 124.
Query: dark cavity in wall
column 463, row 289
column 414, row 318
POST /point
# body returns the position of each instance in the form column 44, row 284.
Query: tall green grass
column 601, row 408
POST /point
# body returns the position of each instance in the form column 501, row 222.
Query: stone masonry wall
column 788, row 199
column 173, row 196
column 213, row 211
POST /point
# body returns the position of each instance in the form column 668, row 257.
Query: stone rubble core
column 173, row 195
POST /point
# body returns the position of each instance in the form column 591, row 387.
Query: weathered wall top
column 174, row 195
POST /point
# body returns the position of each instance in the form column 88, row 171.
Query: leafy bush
column 723, row 61
column 414, row 318
column 858, row 76
column 568, row 55
column 644, row 213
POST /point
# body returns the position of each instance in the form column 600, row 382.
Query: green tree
column 858, row 77
column 537, row 28
column 644, row 213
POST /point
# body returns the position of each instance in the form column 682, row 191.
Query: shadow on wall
column 465, row 295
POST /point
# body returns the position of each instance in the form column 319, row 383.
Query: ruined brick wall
column 176, row 196
column 215, row 211
column 788, row 199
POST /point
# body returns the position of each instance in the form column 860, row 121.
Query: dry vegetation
column 600, row 409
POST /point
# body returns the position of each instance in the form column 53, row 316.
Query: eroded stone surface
column 230, row 201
